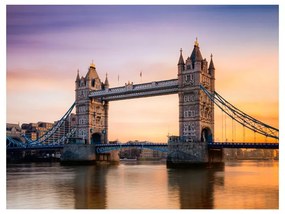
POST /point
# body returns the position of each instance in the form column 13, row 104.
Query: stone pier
column 191, row 154
column 77, row 154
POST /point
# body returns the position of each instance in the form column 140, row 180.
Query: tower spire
column 181, row 60
column 196, row 54
column 211, row 66
column 92, row 65
column 77, row 77
column 196, row 42
column 106, row 84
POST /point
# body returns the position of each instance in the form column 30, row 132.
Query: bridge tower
column 92, row 114
column 196, row 113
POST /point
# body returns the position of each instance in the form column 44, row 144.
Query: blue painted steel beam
column 35, row 148
column 103, row 148
column 222, row 145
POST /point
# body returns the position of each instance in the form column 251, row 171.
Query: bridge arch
column 206, row 135
column 96, row 138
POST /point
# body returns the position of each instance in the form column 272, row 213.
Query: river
column 237, row 185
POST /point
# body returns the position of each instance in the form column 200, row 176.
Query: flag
column 140, row 74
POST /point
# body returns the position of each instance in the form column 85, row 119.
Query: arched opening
column 206, row 135
column 96, row 138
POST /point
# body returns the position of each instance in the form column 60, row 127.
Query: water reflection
column 195, row 186
column 239, row 185
column 90, row 187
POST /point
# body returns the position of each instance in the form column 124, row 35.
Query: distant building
column 148, row 154
column 30, row 130
column 250, row 154
column 66, row 127
column 34, row 131
column 15, row 131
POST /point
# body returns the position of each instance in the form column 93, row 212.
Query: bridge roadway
column 130, row 90
column 163, row 147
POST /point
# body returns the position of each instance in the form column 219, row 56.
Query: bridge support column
column 183, row 154
column 76, row 154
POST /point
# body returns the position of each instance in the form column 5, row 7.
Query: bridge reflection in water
column 187, row 189
column 90, row 187
column 239, row 185
column 95, row 187
column 195, row 186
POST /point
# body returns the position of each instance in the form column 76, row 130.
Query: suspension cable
column 50, row 132
column 241, row 117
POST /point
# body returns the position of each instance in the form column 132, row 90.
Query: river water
column 238, row 185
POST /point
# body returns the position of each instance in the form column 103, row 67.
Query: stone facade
column 92, row 114
column 86, row 154
column 196, row 114
column 183, row 153
column 196, row 111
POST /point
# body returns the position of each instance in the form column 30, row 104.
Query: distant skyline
column 47, row 44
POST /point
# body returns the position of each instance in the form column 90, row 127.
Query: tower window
column 93, row 83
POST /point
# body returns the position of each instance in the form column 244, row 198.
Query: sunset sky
column 47, row 44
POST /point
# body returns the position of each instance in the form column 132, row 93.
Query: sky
column 46, row 45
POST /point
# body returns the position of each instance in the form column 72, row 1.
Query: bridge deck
column 222, row 145
column 156, row 146
column 130, row 91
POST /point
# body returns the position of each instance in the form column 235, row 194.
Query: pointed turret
column 77, row 81
column 181, row 60
column 92, row 73
column 211, row 66
column 181, row 64
column 77, row 77
column 106, row 84
column 196, row 54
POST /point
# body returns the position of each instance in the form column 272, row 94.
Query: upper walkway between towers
column 131, row 90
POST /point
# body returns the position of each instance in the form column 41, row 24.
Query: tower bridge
column 195, row 86
column 196, row 110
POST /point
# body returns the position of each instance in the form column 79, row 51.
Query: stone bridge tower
column 196, row 111
column 92, row 114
